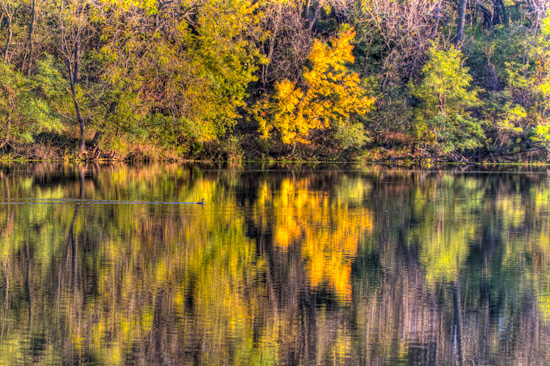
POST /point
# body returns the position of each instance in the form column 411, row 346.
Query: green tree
column 443, row 119
column 184, row 67
column 24, row 107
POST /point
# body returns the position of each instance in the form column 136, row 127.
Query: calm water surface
column 107, row 265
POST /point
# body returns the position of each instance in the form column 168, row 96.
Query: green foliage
column 193, row 74
column 514, row 61
column 351, row 135
column 24, row 107
column 489, row 52
column 443, row 120
column 540, row 83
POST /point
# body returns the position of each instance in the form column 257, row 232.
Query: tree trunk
column 500, row 12
column 71, row 52
column 82, row 145
column 76, row 76
column 313, row 18
column 461, row 21
column 31, row 32
column 8, row 37
column 435, row 28
column 487, row 16
column 265, row 68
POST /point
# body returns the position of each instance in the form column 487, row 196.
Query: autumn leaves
column 328, row 96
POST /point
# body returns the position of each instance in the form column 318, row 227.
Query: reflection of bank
column 209, row 284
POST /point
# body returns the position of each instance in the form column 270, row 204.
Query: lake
column 282, row 265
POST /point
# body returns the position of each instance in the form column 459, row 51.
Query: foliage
column 443, row 120
column 24, row 108
column 334, row 76
column 194, row 76
column 331, row 94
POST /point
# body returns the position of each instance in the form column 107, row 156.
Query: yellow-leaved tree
column 328, row 96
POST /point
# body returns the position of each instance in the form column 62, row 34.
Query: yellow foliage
column 329, row 96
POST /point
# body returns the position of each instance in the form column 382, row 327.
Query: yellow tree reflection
column 329, row 226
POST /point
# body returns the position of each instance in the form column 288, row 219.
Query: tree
column 287, row 41
column 520, row 100
column 461, row 22
column 288, row 31
column 540, row 84
column 183, row 66
column 74, row 30
column 394, row 36
column 330, row 96
column 34, row 5
column 443, row 120
column 24, row 110
column 8, row 10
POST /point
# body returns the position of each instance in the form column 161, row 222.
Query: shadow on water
column 282, row 265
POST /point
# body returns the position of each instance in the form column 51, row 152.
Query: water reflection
column 280, row 266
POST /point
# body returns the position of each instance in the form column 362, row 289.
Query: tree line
column 462, row 80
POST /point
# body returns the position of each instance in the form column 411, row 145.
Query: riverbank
column 245, row 148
